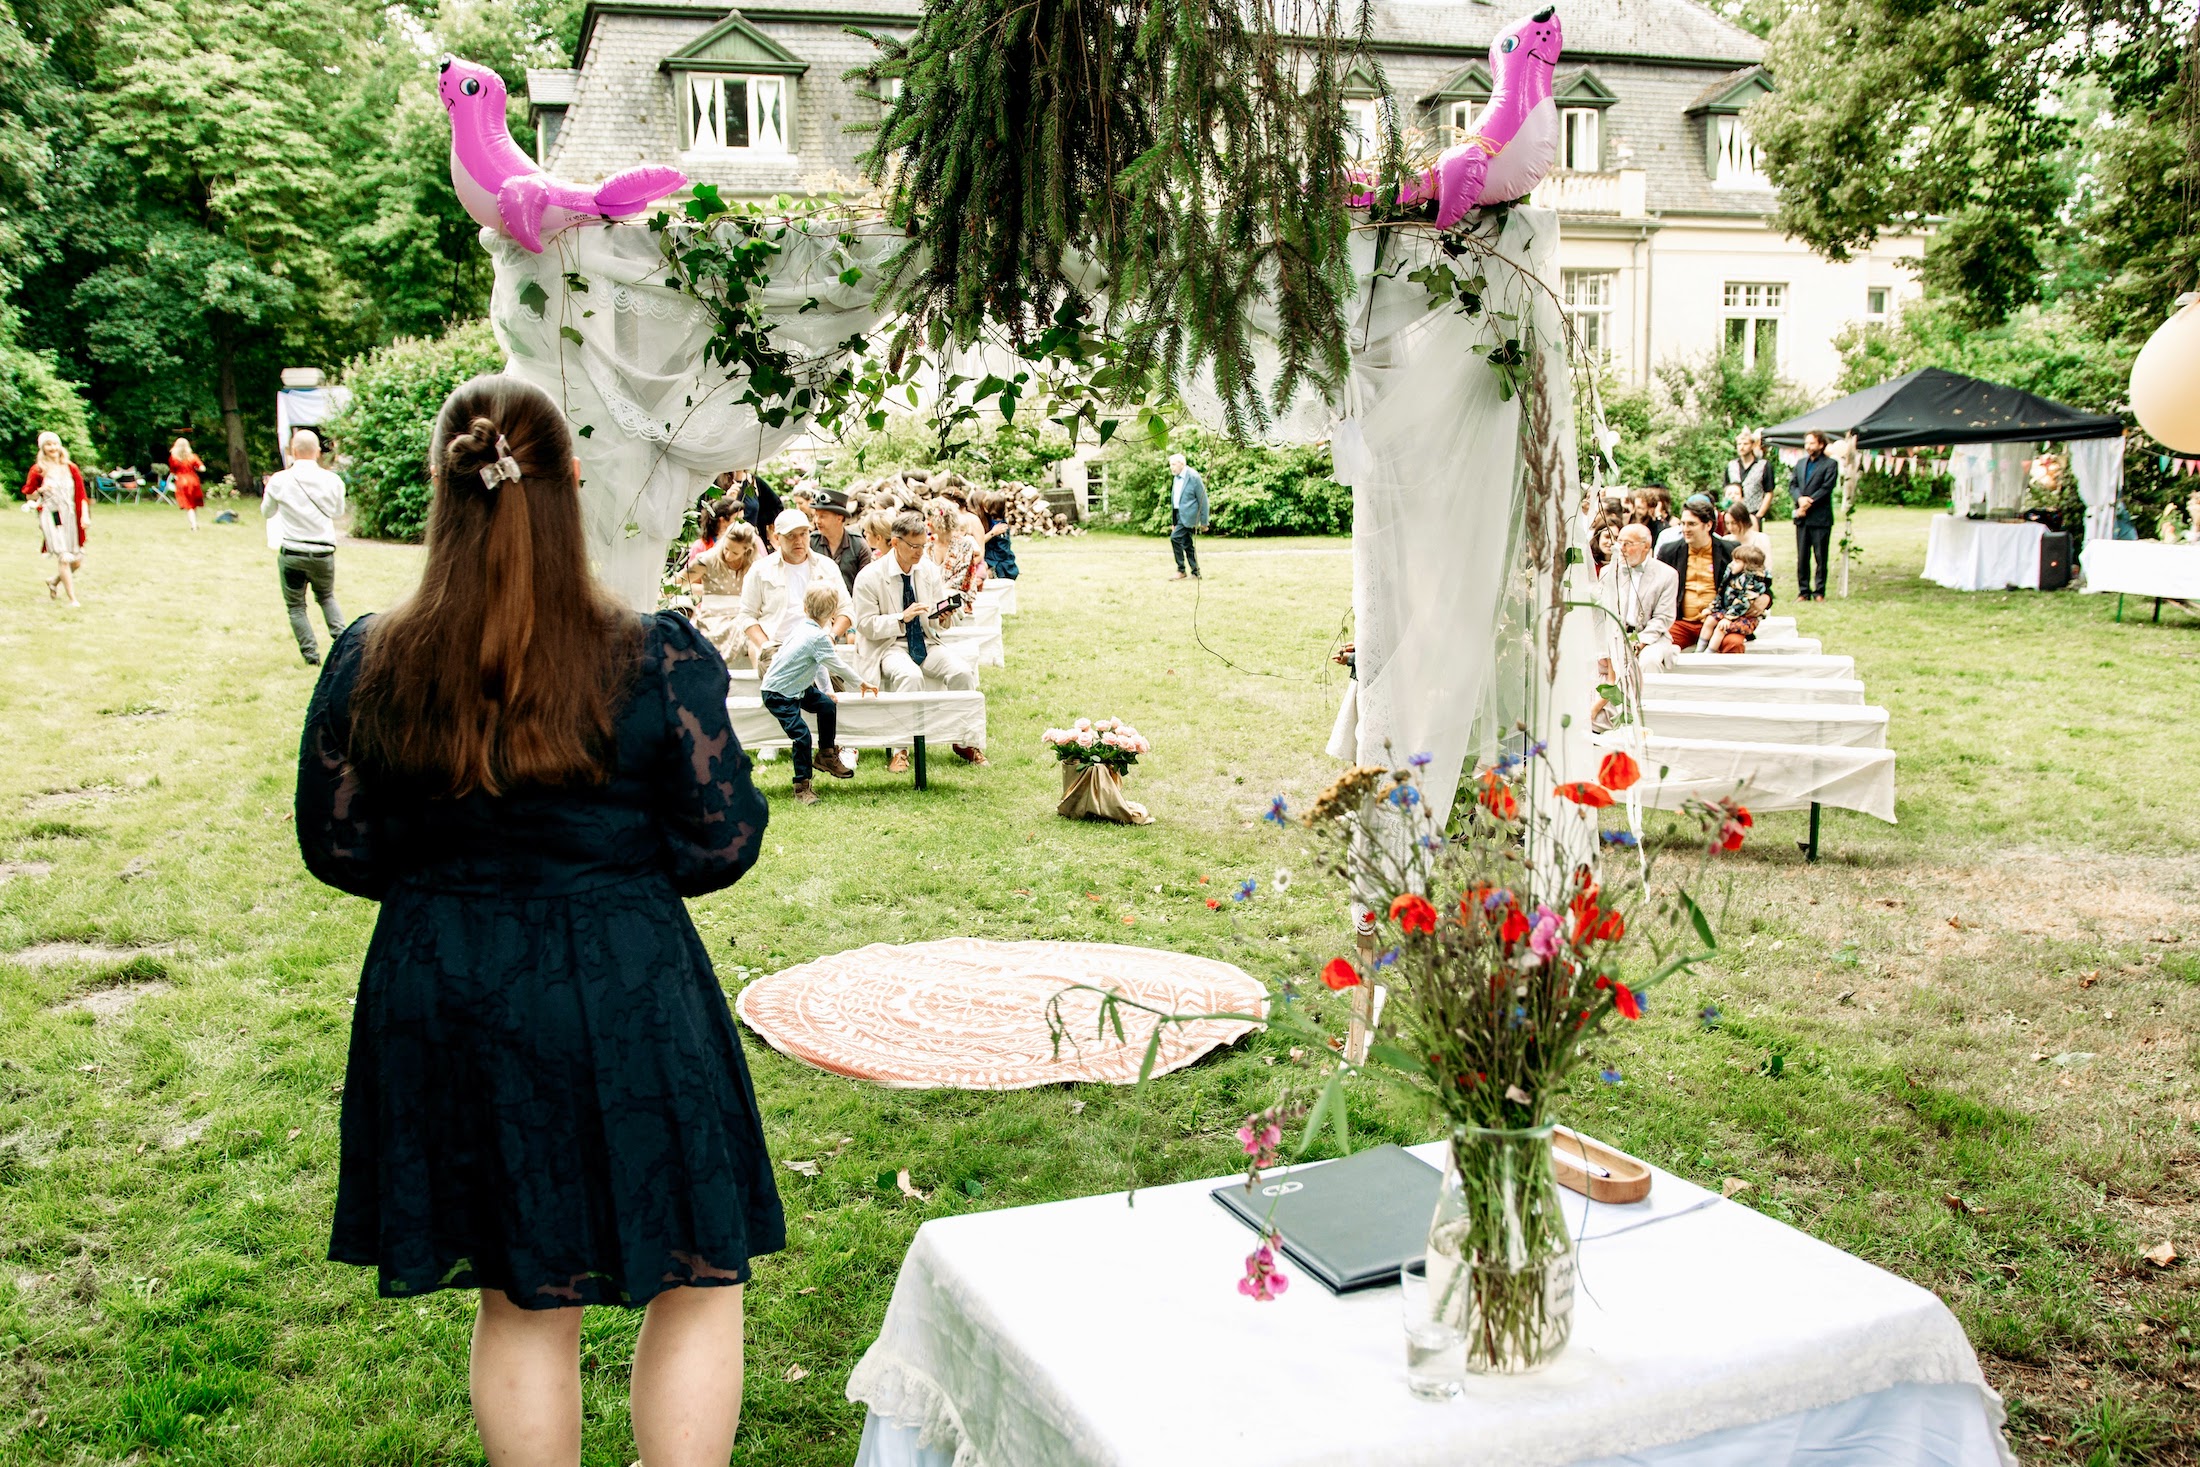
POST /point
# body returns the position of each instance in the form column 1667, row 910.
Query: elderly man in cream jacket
column 771, row 596
column 897, row 642
column 1642, row 593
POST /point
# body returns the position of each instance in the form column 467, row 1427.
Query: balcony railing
column 1621, row 194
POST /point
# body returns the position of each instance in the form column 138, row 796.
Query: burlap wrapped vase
column 1096, row 791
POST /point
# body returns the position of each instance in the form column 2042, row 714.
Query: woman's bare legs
column 67, row 577
column 193, row 516
column 526, row 1380
column 687, row 1378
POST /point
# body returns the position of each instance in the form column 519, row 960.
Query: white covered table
column 1091, row 1334
column 1707, row 687
column 1858, row 727
column 872, row 721
column 2142, row 568
column 1983, row 555
column 1763, row 776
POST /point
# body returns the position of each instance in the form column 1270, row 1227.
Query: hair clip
column 505, row 467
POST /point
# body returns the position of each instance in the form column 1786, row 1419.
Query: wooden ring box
column 1595, row 1169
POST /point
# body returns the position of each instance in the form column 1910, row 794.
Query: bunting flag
column 2178, row 468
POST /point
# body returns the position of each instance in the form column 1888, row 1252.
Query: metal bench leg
column 918, row 748
column 2119, row 606
column 1810, row 850
column 2157, row 611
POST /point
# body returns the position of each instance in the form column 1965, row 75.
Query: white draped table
column 2142, row 568
column 1983, row 555
column 1091, row 1334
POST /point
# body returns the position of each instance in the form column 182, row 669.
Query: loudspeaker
column 2054, row 561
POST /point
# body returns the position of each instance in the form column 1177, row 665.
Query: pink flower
column 1260, row 1135
column 1543, row 938
column 1263, row 1280
column 1084, row 738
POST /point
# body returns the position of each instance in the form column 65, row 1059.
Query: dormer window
column 1736, row 162
column 736, row 90
column 1581, row 146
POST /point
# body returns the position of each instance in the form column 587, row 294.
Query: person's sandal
column 899, row 764
column 830, row 761
column 803, row 794
column 969, row 754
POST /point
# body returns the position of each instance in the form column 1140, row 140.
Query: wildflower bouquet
column 1505, row 947
column 1110, row 742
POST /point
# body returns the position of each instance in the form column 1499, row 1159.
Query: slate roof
column 1659, row 58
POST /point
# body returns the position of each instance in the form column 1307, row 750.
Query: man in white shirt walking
column 302, row 505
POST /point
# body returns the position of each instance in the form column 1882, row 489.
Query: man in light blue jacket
column 1188, row 498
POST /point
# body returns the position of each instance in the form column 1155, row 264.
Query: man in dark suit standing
column 1812, row 485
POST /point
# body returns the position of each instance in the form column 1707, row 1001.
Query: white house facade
column 1668, row 249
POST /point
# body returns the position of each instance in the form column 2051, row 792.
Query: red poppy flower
column 1609, row 927
column 1497, row 796
column 1618, row 771
column 1623, row 999
column 1413, row 913
column 1212, row 904
column 1340, row 974
column 1585, row 792
column 1515, row 928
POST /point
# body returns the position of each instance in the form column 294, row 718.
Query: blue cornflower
column 1276, row 810
column 1535, row 751
column 1519, row 1016
column 1432, row 843
column 1621, row 838
column 1610, row 1076
column 1245, row 892
column 1710, row 1016
column 1421, row 761
column 1509, row 763
column 1496, row 899
column 1386, row 957
column 1405, row 797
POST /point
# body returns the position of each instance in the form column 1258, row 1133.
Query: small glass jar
column 1500, row 1260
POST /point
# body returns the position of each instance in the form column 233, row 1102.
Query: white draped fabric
column 1861, row 727
column 1983, row 555
column 622, row 352
column 871, row 720
column 1763, row 776
column 2099, row 466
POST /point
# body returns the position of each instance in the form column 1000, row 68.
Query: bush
column 1252, row 489
column 396, row 392
column 35, row 398
column 1011, row 454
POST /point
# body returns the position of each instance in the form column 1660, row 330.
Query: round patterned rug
column 967, row 1014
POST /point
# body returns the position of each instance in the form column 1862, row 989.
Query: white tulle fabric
column 660, row 422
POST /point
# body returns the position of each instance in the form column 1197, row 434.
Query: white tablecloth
column 1767, row 723
column 1781, row 644
column 1763, row 776
column 1091, row 1334
column 1983, row 555
column 2142, row 568
column 1722, row 664
column 1706, row 687
column 878, row 721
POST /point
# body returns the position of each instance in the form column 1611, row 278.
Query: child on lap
column 1745, row 582
column 790, row 686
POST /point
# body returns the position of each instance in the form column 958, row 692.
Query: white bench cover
column 1688, row 687
column 1769, row 723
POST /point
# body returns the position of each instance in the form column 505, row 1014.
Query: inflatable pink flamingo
column 1515, row 138
column 503, row 189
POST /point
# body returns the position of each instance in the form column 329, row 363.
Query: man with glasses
column 898, row 621
column 1700, row 560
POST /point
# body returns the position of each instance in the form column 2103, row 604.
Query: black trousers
column 788, row 710
column 1187, row 557
column 1813, row 544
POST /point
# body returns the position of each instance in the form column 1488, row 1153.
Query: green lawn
column 174, row 996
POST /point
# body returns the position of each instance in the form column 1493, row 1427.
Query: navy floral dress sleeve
column 546, row 1093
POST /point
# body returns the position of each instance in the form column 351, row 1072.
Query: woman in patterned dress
column 187, row 466
column 55, row 487
column 721, row 560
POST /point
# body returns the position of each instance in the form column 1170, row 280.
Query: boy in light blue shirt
column 791, row 685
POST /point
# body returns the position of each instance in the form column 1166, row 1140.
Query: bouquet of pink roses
column 1110, row 741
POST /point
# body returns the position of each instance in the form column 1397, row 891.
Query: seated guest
column 1638, row 593
column 760, row 506
column 1746, row 580
column 1604, row 538
column 878, row 533
column 1701, row 560
column 966, row 562
column 721, row 561
column 1745, row 530
column 1000, row 555
column 833, row 539
column 792, row 686
column 939, row 518
column 898, row 627
column 1662, row 506
column 771, row 594
column 803, row 500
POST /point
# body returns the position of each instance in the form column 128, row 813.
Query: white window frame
column 1364, row 116
column 1589, row 297
column 1581, row 140
column 1751, row 302
column 1737, row 161
column 1886, row 302
column 703, row 101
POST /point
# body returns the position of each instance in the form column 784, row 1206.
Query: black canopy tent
column 1933, row 406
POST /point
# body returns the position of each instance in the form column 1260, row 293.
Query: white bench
column 1725, row 664
column 1769, row 723
column 1789, row 645
column 873, row 721
column 1763, row 776
column 1688, row 687
column 999, row 595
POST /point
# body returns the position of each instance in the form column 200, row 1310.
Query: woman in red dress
column 55, row 488
column 186, row 466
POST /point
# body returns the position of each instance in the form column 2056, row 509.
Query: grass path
column 174, row 996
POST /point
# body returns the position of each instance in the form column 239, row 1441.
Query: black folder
column 1351, row 1224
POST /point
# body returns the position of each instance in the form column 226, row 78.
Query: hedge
column 396, row 392
column 1252, row 489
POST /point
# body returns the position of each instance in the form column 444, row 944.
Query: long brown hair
column 506, row 666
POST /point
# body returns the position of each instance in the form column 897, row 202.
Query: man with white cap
column 771, row 597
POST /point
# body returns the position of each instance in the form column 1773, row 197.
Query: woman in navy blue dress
column 546, row 1100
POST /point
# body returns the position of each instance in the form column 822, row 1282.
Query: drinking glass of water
column 1436, row 1351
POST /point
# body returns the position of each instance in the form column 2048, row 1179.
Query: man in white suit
column 1642, row 593
column 897, row 630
